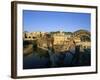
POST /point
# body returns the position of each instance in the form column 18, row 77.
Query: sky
column 47, row 21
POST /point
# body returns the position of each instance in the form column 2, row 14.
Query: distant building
column 32, row 35
column 60, row 38
column 60, row 41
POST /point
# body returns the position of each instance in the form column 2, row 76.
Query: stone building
column 60, row 38
column 59, row 41
column 32, row 35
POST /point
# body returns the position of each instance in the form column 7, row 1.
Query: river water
column 52, row 60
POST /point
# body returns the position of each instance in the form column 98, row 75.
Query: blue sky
column 48, row 21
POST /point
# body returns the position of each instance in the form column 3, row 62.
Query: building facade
column 59, row 40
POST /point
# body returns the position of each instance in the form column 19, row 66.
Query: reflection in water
column 48, row 59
